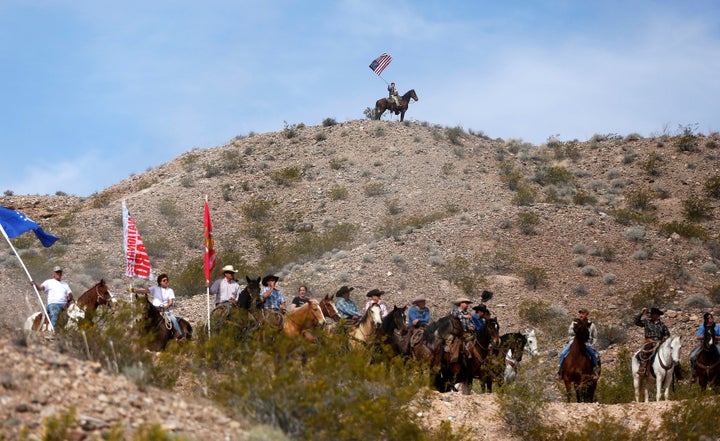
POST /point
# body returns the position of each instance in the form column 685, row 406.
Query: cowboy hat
column 343, row 290
column 655, row 310
column 486, row 295
column 462, row 300
column 268, row 278
column 375, row 292
column 481, row 307
column 583, row 311
column 228, row 269
column 418, row 300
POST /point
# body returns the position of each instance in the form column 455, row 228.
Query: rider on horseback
column 708, row 322
column 655, row 333
column 592, row 331
column 393, row 95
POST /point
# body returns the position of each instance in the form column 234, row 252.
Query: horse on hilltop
column 384, row 104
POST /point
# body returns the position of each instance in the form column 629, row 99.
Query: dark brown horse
column 496, row 366
column 384, row 104
column 394, row 328
column 160, row 330
column 707, row 366
column 249, row 297
column 577, row 368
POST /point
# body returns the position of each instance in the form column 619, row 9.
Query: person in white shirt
column 59, row 294
column 227, row 289
column 163, row 299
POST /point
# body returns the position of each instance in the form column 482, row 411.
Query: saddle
column 646, row 354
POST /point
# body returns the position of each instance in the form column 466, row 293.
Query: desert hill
column 609, row 223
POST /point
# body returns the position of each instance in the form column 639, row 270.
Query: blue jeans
column 53, row 310
column 694, row 356
column 591, row 351
column 174, row 321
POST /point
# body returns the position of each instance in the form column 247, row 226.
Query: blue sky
column 94, row 91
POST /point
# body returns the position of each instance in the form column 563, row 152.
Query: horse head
column 316, row 312
column 395, row 320
column 582, row 333
column 410, row 94
column 328, row 308
column 675, row 344
column 532, row 342
column 492, row 327
column 375, row 314
column 709, row 338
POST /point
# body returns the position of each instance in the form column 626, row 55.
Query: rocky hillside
column 412, row 208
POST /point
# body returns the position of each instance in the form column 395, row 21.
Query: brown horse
column 328, row 308
column 158, row 328
column 384, row 104
column 298, row 321
column 707, row 365
column 394, row 329
column 83, row 308
column 577, row 368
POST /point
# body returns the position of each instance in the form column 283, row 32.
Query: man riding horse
column 655, row 333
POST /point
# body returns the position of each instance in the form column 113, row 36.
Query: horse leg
column 402, row 115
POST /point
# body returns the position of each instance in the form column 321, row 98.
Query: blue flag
column 15, row 223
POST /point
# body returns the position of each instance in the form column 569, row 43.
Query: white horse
column 36, row 323
column 367, row 326
column 662, row 368
column 532, row 344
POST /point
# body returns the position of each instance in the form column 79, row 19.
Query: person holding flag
column 393, row 94
column 59, row 294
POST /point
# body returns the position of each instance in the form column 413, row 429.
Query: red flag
column 380, row 63
column 209, row 250
column 138, row 261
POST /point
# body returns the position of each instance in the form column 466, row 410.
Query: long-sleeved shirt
column 465, row 319
column 346, row 308
column 421, row 314
column 592, row 330
column 274, row 300
column 383, row 308
column 478, row 322
column 225, row 291
column 653, row 330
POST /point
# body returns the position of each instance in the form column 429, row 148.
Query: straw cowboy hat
column 462, row 300
column 228, row 269
column 268, row 278
column 343, row 290
column 375, row 292
column 418, row 300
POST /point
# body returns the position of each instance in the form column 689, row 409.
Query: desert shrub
column 687, row 141
column 257, row 209
column 714, row 294
column 626, row 217
column 615, row 385
column 555, row 175
column 524, row 195
column 338, row 163
column 696, row 209
column 589, row 271
column 584, row 198
column 684, row 229
column 550, row 319
column 709, row 267
column 212, row 170
column 329, row 122
column 677, row 268
column 170, row 211
column 286, row 177
column 466, row 274
column 639, row 198
column 231, row 161
column 607, row 252
column 653, row 293
column 101, row 200
column 290, row 131
column 580, row 290
column 338, row 193
column 580, row 261
column 393, row 206
column 641, row 254
column 369, row 113
column 447, row 168
column 580, row 248
column 375, row 189
column 534, row 276
column 455, row 134
column 653, row 164
column 521, row 406
column 512, row 178
column 320, row 136
column 660, row 191
column 698, row 301
column 635, row 234
column 308, row 245
column 527, row 221
column 691, row 419
column 609, row 278
column 711, row 187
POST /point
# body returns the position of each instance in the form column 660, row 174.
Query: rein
column 660, row 359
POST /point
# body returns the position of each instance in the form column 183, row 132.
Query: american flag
column 138, row 261
column 380, row 63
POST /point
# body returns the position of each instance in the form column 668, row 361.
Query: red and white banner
column 138, row 261
column 209, row 245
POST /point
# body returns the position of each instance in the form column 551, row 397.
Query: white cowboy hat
column 228, row 269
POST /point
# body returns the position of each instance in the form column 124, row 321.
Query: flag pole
column 42, row 305
column 207, row 284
